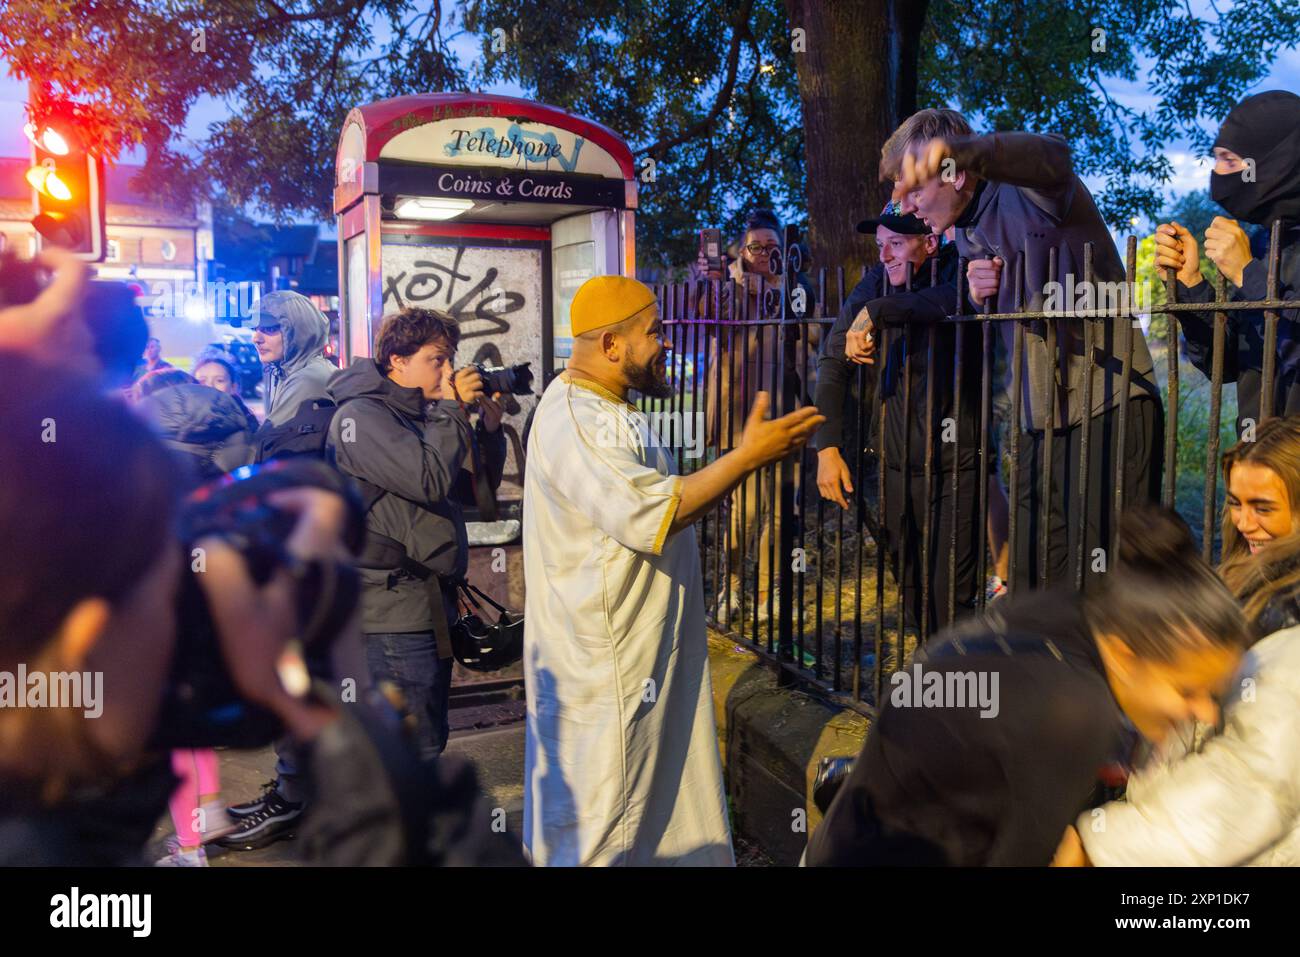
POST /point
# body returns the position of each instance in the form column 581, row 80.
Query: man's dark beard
column 649, row 380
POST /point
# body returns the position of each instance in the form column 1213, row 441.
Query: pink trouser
column 199, row 777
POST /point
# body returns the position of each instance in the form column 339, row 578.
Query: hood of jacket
column 195, row 414
column 1264, row 128
column 363, row 379
column 304, row 327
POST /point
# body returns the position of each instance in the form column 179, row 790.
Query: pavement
column 496, row 752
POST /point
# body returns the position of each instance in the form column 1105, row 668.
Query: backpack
column 303, row 434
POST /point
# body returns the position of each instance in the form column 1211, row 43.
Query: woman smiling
column 1263, row 485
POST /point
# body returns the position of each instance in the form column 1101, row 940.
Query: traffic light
column 67, row 182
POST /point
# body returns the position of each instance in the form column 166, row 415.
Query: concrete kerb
column 772, row 739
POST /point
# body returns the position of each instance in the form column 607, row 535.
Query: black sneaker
column 275, row 821
column 253, row 806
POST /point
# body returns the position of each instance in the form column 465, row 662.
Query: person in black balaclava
column 1256, row 179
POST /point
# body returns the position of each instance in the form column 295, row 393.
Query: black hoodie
column 413, row 449
column 1264, row 128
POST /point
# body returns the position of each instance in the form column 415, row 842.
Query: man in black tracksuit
column 403, row 431
column 888, row 307
column 1010, row 194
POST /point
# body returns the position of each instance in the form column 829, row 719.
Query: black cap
column 893, row 219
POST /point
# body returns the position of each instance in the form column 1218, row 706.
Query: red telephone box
column 492, row 208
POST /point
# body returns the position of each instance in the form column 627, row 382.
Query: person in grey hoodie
column 290, row 335
column 403, row 429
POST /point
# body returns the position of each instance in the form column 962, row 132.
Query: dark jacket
column 1030, row 197
column 1243, row 344
column 414, row 450
column 207, row 428
column 375, row 805
column 890, row 311
column 943, row 785
column 836, row 376
column 249, row 417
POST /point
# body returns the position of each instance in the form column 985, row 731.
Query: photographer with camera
column 92, row 571
column 148, row 655
column 403, row 431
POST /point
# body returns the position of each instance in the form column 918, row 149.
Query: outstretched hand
column 767, row 440
column 31, row 325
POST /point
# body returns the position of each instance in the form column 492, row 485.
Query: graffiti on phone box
column 480, row 300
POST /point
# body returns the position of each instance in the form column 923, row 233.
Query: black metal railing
column 812, row 596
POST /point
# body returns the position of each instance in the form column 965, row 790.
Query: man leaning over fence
column 1015, row 199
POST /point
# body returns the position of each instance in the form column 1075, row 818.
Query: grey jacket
column 301, row 375
column 390, row 436
column 1032, row 200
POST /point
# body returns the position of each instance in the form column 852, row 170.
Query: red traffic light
column 60, row 229
column 67, row 182
column 48, row 139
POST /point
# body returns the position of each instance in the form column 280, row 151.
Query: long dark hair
column 1160, row 597
column 159, row 379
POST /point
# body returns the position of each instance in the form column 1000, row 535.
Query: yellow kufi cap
column 604, row 300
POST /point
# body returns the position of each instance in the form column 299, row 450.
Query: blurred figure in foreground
column 989, row 745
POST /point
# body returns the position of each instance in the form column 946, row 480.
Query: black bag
column 480, row 646
column 302, row 435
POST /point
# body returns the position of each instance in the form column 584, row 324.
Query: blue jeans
column 410, row 661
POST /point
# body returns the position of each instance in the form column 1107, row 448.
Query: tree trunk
column 857, row 82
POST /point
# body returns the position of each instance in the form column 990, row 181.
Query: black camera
column 508, row 380
column 202, row 706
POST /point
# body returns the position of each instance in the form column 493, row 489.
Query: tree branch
column 739, row 30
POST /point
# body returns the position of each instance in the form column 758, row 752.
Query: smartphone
column 711, row 252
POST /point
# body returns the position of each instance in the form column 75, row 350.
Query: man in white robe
column 621, row 758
